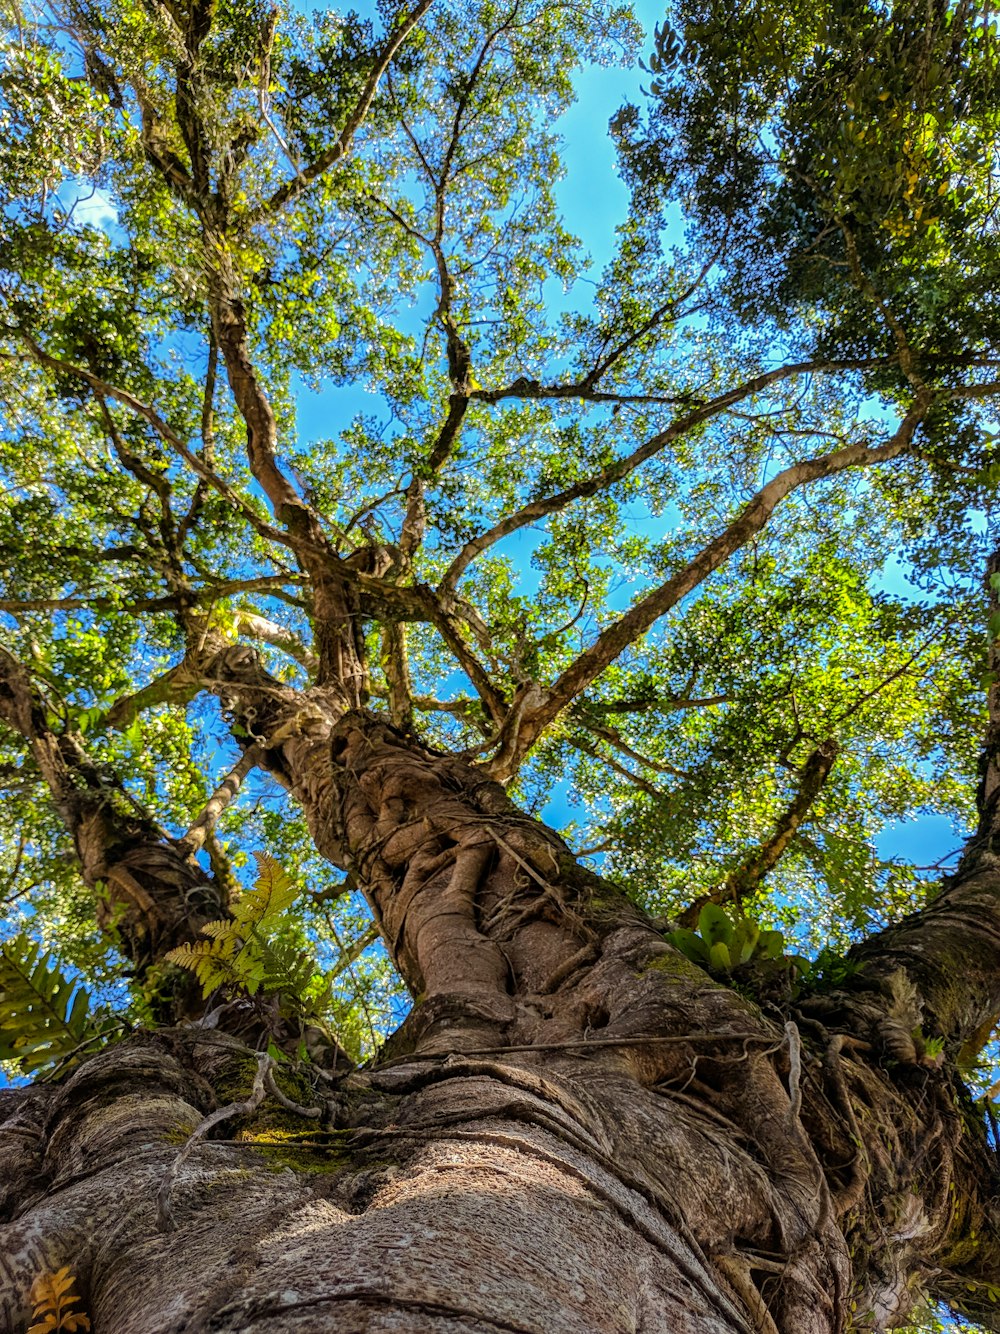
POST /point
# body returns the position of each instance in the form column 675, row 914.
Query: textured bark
column 479, row 1197
column 149, row 890
column 575, row 1130
column 534, row 1191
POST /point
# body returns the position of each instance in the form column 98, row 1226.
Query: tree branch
column 179, row 685
column 620, row 468
column 395, row 664
column 291, row 190
column 204, row 827
column 614, row 738
column 273, row 585
column 157, row 895
column 643, row 784
column 958, row 934
column 747, row 877
column 637, row 620
column 643, row 705
column 255, row 626
column 162, row 429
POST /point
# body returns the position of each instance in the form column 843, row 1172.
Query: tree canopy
column 689, row 551
column 315, row 407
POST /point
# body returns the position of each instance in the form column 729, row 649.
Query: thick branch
column 204, row 827
column 230, row 331
column 157, row 896
column 620, row 468
column 255, row 626
column 950, row 951
column 395, row 664
column 493, row 700
column 177, row 685
column 747, row 877
column 414, row 522
column 635, row 622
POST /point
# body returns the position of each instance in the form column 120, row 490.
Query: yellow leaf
column 52, row 1295
column 44, row 1326
column 43, row 1288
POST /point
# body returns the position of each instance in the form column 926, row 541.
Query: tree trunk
column 515, row 1194
column 575, row 1130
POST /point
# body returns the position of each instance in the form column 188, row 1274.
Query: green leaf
column 44, row 1016
column 689, row 944
column 771, row 944
column 714, row 924
column 744, row 941
column 719, row 957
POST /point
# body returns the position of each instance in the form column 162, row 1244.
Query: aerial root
column 262, row 1085
column 794, row 1073
column 736, row 1274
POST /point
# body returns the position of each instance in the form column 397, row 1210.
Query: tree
column 630, row 1090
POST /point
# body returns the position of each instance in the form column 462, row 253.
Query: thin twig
column 164, row 1211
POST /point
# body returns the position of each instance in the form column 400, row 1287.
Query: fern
column 213, row 962
column 51, row 1296
column 239, row 955
column 273, row 893
column 45, row 1016
column 294, row 971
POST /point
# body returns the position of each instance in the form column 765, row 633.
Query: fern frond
column 287, row 968
column 238, row 953
column 186, row 956
column 225, row 933
column 52, row 1296
column 44, row 1016
column 215, row 964
column 273, row 894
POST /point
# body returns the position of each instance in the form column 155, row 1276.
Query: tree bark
column 150, row 892
column 575, row 1130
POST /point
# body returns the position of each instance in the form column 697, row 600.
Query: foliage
column 855, row 147
column 52, row 1296
column 242, row 954
column 641, row 533
column 807, row 634
column 721, row 944
column 45, row 1017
